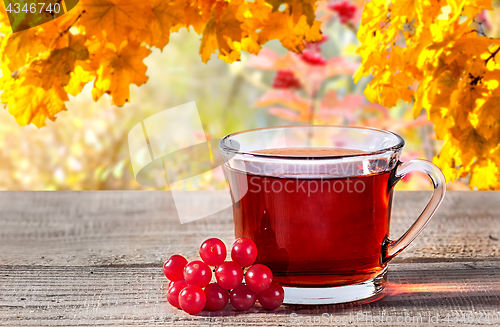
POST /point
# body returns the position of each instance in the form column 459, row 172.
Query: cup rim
column 223, row 147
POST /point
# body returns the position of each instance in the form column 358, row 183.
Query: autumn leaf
column 297, row 9
column 20, row 48
column 107, row 40
column 118, row 69
column 31, row 104
column 222, row 29
column 280, row 26
column 112, row 20
column 455, row 70
column 54, row 69
column 170, row 16
column 78, row 79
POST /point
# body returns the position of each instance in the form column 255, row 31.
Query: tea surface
column 311, row 152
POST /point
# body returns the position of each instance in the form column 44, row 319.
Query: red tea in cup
column 320, row 215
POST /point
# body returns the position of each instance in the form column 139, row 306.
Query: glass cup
column 316, row 200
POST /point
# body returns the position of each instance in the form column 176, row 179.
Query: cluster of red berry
column 187, row 280
column 285, row 79
column 312, row 53
column 345, row 9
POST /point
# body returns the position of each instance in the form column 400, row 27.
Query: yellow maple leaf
column 31, row 104
column 485, row 175
column 78, row 79
column 20, row 48
column 112, row 20
column 464, row 101
column 118, row 69
column 489, row 119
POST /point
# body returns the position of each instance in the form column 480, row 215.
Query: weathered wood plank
column 142, row 228
column 94, row 258
column 103, row 296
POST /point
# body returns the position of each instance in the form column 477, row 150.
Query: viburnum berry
column 174, row 267
column 345, row 9
column 217, row 297
column 173, row 292
column 187, row 279
column 314, row 58
column 258, row 278
column 229, row 275
column 192, row 299
column 213, row 251
column 197, row 273
column 285, row 79
column 272, row 298
column 244, row 252
column 242, row 298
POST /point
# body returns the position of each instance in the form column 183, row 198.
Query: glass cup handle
column 392, row 248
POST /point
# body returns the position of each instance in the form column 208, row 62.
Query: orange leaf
column 118, row 70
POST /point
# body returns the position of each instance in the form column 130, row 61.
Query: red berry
column 345, row 9
column 285, row 79
column 217, row 297
column 242, row 298
column 258, row 278
column 244, row 252
column 197, row 273
column 272, row 298
column 213, row 251
column 173, row 292
column 174, row 267
column 313, row 58
column 192, row 299
column 229, row 275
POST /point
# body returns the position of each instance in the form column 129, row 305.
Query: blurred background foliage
column 87, row 147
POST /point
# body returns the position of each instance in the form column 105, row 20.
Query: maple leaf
column 107, row 40
column 489, row 119
column 78, row 79
column 112, row 20
column 118, row 69
column 454, row 69
column 31, row 104
column 221, row 30
column 485, row 175
column 55, row 67
column 404, row 9
column 297, row 9
column 467, row 98
column 20, row 48
column 280, row 26
column 168, row 17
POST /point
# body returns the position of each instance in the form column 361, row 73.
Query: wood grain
column 103, row 296
column 94, row 259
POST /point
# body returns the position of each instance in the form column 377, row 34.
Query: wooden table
column 95, row 259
